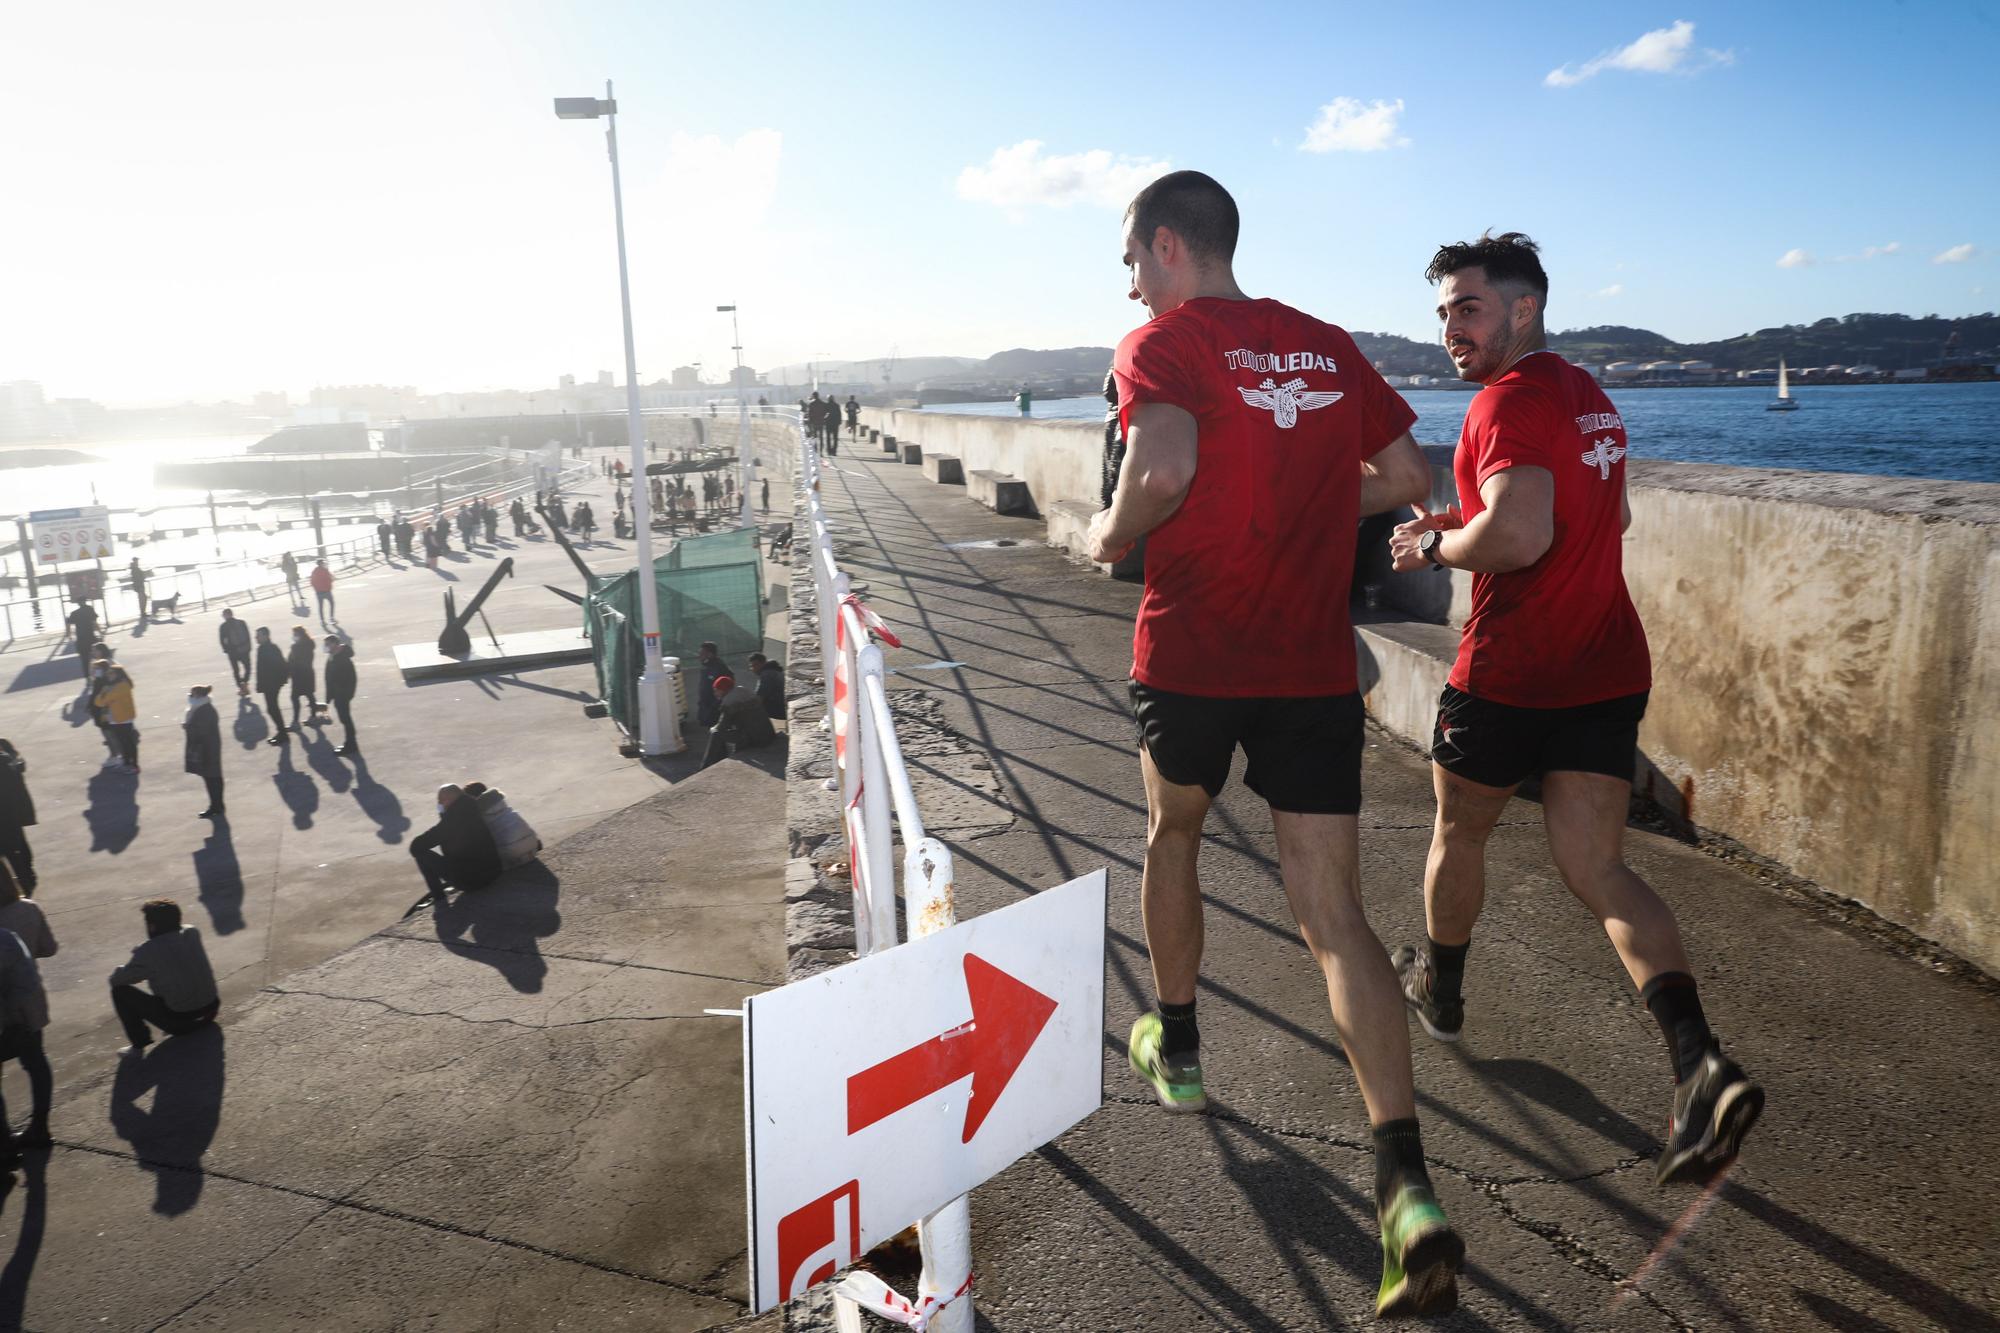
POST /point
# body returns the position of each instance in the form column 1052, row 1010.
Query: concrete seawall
column 1826, row 655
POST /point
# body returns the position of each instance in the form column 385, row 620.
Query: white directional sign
column 878, row 1092
column 72, row 534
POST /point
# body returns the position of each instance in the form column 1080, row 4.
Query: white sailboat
column 1785, row 402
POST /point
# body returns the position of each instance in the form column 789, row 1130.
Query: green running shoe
column 1421, row 1256
column 1176, row 1079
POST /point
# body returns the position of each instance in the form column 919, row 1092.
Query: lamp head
column 584, row 108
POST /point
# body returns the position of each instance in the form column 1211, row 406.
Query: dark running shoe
column 1444, row 1020
column 1713, row 1109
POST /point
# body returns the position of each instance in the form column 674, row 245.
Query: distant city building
column 604, row 380
column 744, row 376
column 687, row 377
column 23, row 412
column 566, row 382
column 1621, row 370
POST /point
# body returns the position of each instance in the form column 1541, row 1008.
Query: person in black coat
column 458, row 851
column 234, row 636
column 83, row 626
column 707, row 707
column 203, row 754
column 340, row 689
column 17, row 815
column 305, row 681
column 272, row 673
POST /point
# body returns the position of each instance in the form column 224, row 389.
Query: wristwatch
column 1427, row 547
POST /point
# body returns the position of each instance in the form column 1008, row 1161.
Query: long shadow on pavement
column 113, row 812
column 506, row 923
column 380, row 804
column 218, row 878
column 297, row 789
column 27, row 1242
column 251, row 728
column 185, row 1076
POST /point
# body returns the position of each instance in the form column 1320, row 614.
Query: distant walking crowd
column 823, row 417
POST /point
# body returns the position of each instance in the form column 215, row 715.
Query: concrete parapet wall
column 1059, row 460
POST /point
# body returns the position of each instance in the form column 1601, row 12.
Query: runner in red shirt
column 1256, row 437
column 1552, row 676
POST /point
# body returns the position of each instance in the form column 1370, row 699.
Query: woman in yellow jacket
column 114, row 698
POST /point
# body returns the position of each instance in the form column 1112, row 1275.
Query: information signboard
column 58, row 535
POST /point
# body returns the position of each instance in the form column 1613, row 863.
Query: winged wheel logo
column 1285, row 401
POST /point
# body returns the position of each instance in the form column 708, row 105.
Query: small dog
column 167, row 604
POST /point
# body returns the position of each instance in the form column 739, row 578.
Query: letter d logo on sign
column 818, row 1240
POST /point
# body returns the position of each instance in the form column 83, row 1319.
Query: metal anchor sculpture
column 455, row 642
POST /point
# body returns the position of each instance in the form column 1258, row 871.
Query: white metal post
column 659, row 729
column 879, row 853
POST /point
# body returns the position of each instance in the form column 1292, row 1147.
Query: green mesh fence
column 715, row 548
column 717, row 602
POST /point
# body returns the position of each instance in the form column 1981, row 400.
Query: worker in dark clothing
column 769, row 680
column 234, row 637
column 273, row 674
column 83, row 628
column 741, row 719
column 340, row 688
column 203, row 753
column 288, row 564
column 458, row 851
column 305, row 681
column 137, row 577
column 707, row 707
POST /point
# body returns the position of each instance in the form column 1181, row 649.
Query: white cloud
column 1958, row 254
column 1349, row 125
column 1794, row 258
column 1870, row 252
column 1615, row 289
column 1022, row 175
column 1661, row 51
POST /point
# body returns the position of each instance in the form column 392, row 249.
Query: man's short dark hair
column 161, row 914
column 1510, row 260
column 1192, row 206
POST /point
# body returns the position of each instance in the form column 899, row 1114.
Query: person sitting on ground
column 24, row 1012
column 742, row 720
column 770, row 684
column 513, row 837
column 458, row 851
column 174, row 963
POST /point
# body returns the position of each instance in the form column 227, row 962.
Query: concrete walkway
column 510, row 1114
column 1865, row 1200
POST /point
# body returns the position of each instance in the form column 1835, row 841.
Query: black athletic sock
column 1447, row 968
column 1677, row 1009
column 1179, row 1035
column 1399, row 1159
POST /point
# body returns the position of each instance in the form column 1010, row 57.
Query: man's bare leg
column 1319, row 857
column 1170, row 891
column 1715, row 1103
column 1584, row 815
column 1455, row 873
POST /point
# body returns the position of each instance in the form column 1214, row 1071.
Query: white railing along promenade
column 26, row 620
column 874, row 783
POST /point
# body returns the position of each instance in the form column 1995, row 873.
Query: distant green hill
column 1893, row 342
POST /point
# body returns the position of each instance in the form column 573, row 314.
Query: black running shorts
column 1302, row 755
column 1499, row 745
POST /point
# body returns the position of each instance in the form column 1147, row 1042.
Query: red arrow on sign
column 1007, row 1016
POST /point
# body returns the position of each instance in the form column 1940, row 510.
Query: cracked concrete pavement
column 1862, row 1202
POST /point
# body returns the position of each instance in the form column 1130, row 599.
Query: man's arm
column 1160, row 453
column 132, row 973
column 1397, row 475
column 1513, row 531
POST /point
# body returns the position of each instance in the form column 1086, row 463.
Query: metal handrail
column 873, row 780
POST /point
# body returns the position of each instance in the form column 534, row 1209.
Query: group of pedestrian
column 1253, row 431
column 822, row 420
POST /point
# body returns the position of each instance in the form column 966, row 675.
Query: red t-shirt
column 1561, row 632
column 1247, row 583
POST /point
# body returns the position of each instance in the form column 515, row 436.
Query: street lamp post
column 659, row 727
column 743, row 467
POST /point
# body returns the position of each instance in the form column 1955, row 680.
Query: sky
column 205, row 201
